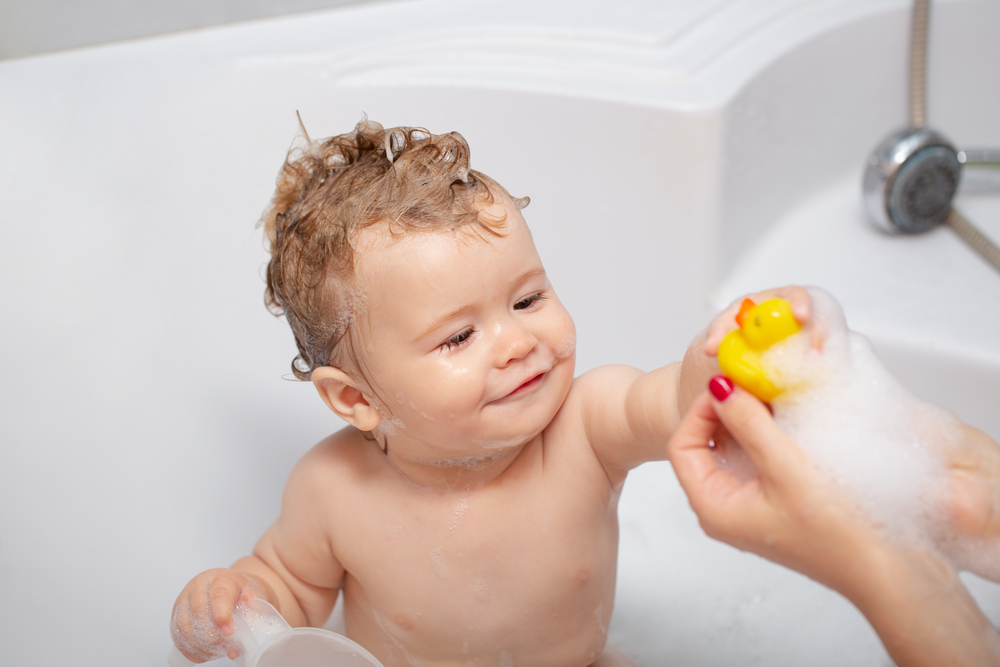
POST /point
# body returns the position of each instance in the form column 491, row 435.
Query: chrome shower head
column 910, row 180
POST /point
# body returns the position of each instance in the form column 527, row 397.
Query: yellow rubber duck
column 760, row 327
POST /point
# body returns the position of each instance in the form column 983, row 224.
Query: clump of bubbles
column 886, row 448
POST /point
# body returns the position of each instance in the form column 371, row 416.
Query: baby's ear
column 341, row 394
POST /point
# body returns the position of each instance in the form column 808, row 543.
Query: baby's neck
column 455, row 475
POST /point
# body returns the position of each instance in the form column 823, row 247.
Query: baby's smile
column 525, row 388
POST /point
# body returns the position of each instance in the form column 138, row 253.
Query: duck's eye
column 756, row 320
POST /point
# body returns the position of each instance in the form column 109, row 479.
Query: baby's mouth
column 527, row 386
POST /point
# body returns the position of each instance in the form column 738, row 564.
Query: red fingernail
column 721, row 387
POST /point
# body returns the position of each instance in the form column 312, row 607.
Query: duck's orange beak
column 745, row 307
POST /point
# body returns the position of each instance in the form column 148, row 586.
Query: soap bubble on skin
column 482, row 590
column 438, row 563
column 205, row 636
column 477, row 462
column 457, row 513
column 500, row 444
column 388, row 424
column 862, row 428
column 566, row 347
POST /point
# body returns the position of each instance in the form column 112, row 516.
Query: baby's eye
column 527, row 301
column 457, row 339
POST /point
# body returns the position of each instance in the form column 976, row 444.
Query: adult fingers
column 688, row 449
column 750, row 422
column 709, row 488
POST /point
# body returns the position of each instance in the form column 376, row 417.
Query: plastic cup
column 268, row 641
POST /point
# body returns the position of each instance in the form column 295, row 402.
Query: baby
column 468, row 513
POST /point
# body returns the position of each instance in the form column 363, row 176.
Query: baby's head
column 397, row 181
column 420, row 306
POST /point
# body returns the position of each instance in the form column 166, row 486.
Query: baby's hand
column 202, row 623
column 725, row 322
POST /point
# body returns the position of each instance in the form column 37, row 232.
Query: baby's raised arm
column 292, row 567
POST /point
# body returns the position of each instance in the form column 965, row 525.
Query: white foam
column 458, row 511
column 482, row 590
column 478, row 462
column 501, row 444
column 204, row 636
column 566, row 347
column 858, row 424
column 388, row 423
column 438, row 563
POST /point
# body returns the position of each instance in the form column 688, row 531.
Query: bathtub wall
column 146, row 427
column 804, row 121
column 28, row 28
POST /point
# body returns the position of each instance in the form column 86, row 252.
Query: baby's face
column 467, row 346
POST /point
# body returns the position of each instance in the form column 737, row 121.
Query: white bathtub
column 677, row 154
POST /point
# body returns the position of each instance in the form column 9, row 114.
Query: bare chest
column 513, row 570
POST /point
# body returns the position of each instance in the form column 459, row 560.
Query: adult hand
column 788, row 512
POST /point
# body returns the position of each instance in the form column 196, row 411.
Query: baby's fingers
column 798, row 299
column 223, row 597
column 203, row 615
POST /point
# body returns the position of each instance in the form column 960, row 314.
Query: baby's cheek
column 446, row 394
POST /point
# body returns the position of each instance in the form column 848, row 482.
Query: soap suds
column 862, row 428
column 482, row 591
column 500, row 444
column 438, row 563
column 566, row 347
column 477, row 462
column 388, row 424
column 457, row 512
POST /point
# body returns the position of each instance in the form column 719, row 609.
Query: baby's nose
column 514, row 343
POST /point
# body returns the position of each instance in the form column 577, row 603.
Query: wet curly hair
column 328, row 191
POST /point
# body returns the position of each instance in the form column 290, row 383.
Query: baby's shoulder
column 334, row 463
